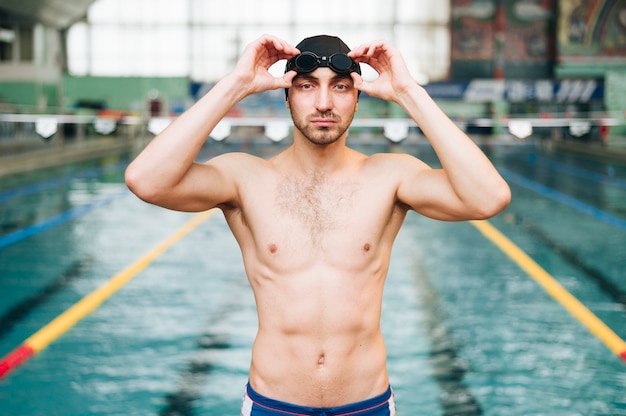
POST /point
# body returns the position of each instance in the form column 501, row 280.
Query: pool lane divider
column 61, row 324
column 564, row 199
column 554, row 289
column 62, row 180
column 58, row 219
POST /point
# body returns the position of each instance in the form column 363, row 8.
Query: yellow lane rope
column 554, row 289
column 61, row 324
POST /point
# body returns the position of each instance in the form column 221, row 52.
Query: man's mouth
column 323, row 122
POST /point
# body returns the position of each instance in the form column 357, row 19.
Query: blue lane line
column 31, row 189
column 54, row 183
column 563, row 199
column 575, row 171
column 65, row 216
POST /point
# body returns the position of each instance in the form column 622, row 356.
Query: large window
column 7, row 39
column 26, row 35
column 203, row 38
column 17, row 43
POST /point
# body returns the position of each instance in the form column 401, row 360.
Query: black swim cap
column 324, row 46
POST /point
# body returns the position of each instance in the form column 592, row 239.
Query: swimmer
column 316, row 223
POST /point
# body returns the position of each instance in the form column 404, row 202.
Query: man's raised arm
column 165, row 174
column 468, row 186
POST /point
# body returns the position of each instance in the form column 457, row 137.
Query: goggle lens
column 340, row 62
column 308, row 62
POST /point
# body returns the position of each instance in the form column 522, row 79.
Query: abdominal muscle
column 317, row 267
column 319, row 342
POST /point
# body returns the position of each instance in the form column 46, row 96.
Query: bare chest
column 291, row 223
column 317, row 206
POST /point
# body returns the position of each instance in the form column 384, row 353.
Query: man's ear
column 287, row 103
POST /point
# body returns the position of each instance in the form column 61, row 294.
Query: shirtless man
column 316, row 223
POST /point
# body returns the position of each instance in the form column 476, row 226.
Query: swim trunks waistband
column 255, row 404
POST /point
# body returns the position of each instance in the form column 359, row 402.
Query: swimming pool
column 468, row 331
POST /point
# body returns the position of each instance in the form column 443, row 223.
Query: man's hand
column 252, row 69
column 394, row 78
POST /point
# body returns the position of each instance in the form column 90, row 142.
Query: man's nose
column 323, row 100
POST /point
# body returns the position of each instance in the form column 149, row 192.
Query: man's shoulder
column 237, row 161
column 390, row 160
column 238, row 157
column 394, row 165
column 238, row 166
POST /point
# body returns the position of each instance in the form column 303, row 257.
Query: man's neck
column 310, row 157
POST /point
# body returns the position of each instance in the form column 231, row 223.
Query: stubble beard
column 321, row 136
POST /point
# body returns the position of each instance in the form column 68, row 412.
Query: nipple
column 273, row 249
column 366, row 247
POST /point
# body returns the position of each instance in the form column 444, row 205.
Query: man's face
column 322, row 105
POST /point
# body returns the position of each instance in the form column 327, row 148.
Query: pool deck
column 45, row 155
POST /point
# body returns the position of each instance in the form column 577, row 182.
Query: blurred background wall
column 478, row 58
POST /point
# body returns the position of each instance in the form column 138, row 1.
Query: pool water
column 468, row 331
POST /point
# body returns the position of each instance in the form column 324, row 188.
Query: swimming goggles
column 309, row 62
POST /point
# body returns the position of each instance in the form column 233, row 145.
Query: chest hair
column 316, row 202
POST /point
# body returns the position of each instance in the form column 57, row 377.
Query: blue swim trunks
column 255, row 404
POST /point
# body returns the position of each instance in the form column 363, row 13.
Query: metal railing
column 44, row 126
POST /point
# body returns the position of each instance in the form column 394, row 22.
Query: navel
column 272, row 248
column 321, row 361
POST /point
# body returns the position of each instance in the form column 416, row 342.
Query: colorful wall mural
column 513, row 36
column 591, row 29
column 473, row 29
column 527, row 31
